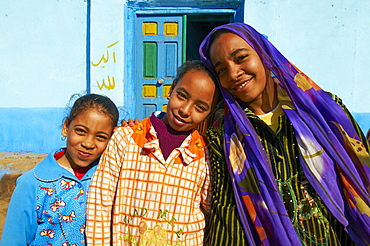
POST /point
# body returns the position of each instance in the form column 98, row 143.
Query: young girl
column 48, row 203
column 292, row 165
column 152, row 186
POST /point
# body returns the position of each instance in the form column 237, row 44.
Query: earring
column 63, row 138
column 272, row 75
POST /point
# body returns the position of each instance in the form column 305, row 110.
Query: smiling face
column 191, row 101
column 87, row 137
column 241, row 71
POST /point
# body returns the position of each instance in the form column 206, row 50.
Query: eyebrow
column 205, row 104
column 232, row 54
column 187, row 94
column 103, row 133
column 86, row 128
column 183, row 90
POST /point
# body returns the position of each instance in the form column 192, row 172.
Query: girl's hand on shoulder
column 130, row 122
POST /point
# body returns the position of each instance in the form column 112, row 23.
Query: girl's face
column 191, row 101
column 87, row 137
column 239, row 68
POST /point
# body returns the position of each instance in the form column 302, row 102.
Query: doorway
column 197, row 28
column 162, row 41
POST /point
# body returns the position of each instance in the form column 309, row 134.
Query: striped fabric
column 138, row 198
column 312, row 221
column 332, row 155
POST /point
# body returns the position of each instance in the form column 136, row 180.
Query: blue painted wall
column 25, row 128
column 52, row 49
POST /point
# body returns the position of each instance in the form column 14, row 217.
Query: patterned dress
column 311, row 220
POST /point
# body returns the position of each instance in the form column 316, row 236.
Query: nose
column 184, row 111
column 88, row 142
column 234, row 72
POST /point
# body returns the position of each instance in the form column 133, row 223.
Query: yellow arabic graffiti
column 111, row 83
column 104, row 58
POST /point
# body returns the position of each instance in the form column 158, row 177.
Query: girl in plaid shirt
column 152, row 185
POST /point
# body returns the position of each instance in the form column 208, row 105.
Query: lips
column 243, row 84
column 83, row 154
column 179, row 120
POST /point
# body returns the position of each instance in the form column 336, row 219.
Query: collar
column 145, row 136
column 49, row 170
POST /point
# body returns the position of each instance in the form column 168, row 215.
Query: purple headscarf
column 332, row 156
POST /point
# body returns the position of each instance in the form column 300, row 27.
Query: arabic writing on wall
column 110, row 83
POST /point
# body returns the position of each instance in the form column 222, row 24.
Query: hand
column 130, row 122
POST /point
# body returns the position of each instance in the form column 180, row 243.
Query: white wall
column 328, row 40
column 107, row 29
column 43, row 52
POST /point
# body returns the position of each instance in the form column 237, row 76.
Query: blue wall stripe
column 35, row 130
column 38, row 130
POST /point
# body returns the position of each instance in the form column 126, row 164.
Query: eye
column 102, row 138
column 241, row 58
column 201, row 108
column 220, row 71
column 181, row 95
column 80, row 131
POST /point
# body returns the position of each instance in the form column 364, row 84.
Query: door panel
column 158, row 53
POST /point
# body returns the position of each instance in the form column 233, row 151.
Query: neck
column 264, row 108
column 67, row 161
column 268, row 99
column 63, row 161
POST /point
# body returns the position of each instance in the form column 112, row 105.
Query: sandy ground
column 12, row 165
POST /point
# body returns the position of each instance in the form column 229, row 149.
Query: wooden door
column 159, row 53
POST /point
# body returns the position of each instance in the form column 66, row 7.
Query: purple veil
column 332, row 156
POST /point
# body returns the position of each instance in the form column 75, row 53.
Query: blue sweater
column 47, row 207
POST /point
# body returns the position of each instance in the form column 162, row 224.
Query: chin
column 83, row 164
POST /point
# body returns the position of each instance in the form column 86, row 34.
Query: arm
column 215, row 137
column 21, row 222
column 102, row 192
column 224, row 226
column 206, row 194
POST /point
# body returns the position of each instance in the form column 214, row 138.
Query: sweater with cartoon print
column 48, row 206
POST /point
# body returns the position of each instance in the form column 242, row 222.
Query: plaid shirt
column 137, row 197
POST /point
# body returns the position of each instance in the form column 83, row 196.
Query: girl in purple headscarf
column 290, row 165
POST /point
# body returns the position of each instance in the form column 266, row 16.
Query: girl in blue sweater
column 48, row 203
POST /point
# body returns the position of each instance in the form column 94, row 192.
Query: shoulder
column 25, row 191
column 120, row 137
column 27, row 180
column 216, row 130
column 337, row 99
column 122, row 131
column 49, row 169
column 30, row 177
